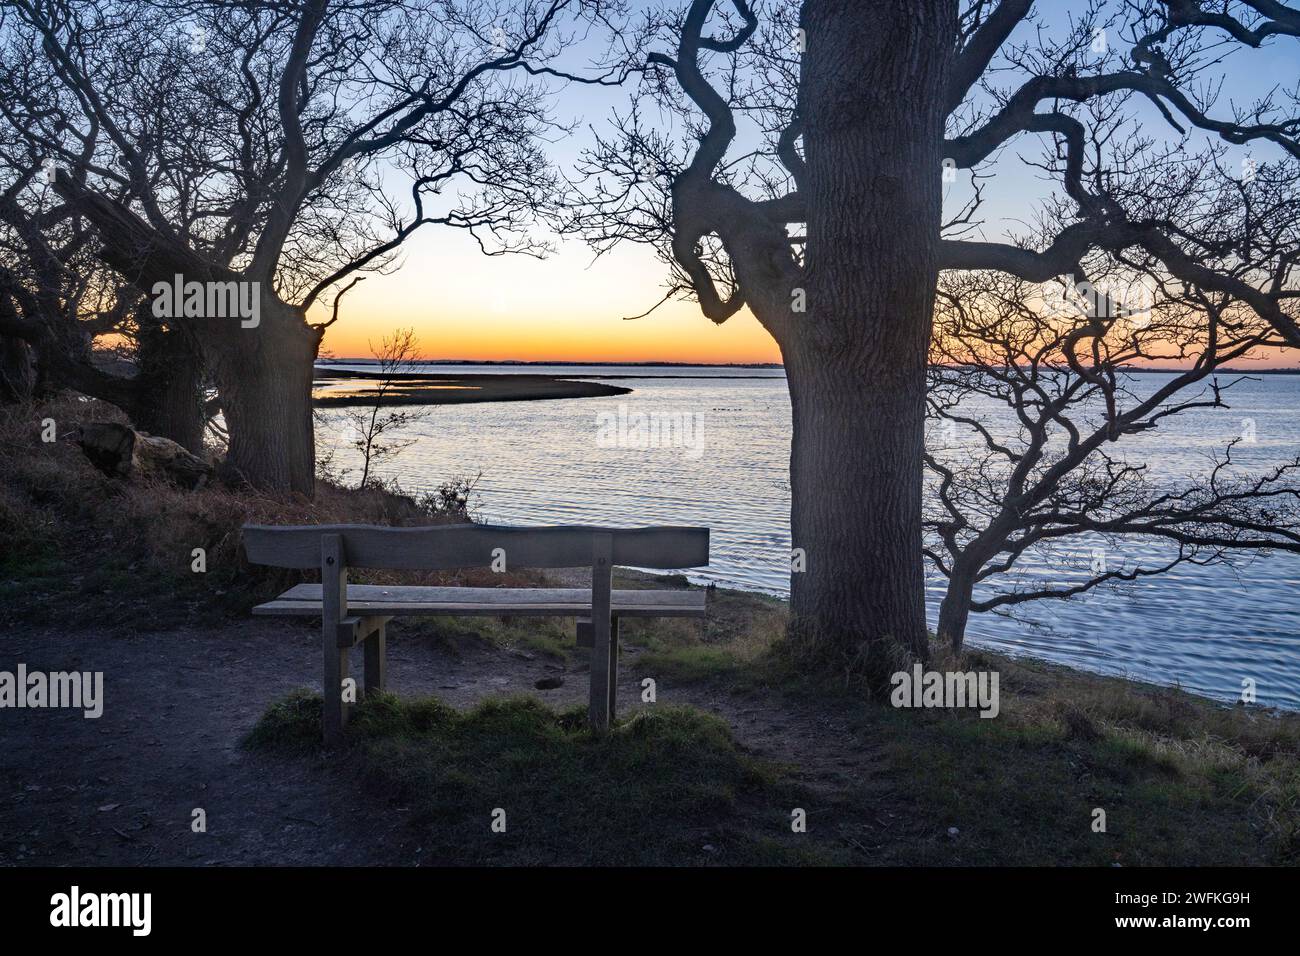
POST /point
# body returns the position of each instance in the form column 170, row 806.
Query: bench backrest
column 441, row 547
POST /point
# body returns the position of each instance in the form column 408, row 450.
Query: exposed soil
column 121, row 789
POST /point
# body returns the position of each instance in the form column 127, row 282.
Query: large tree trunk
column 872, row 89
column 855, row 481
column 954, row 610
column 264, row 378
column 168, row 389
column 17, row 372
column 17, row 375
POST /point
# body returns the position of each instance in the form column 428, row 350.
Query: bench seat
column 304, row 600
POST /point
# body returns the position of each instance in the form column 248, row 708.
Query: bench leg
column 334, row 607
column 377, row 661
column 602, row 625
column 604, row 675
column 613, row 668
column 598, row 708
column 336, row 672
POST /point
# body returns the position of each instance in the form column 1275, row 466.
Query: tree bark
column 168, row 389
column 17, row 377
column 871, row 100
column 264, row 377
column 17, row 371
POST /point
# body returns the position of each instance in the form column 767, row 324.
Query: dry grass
column 735, row 639
column 126, row 542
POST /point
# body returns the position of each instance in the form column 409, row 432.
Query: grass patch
column 1182, row 780
column 657, row 790
column 733, row 642
column 550, row 638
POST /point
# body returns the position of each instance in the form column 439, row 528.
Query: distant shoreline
column 514, row 363
column 567, row 364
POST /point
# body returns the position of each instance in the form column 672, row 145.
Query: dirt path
column 121, row 789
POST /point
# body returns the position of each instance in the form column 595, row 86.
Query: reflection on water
column 542, row 463
column 353, row 389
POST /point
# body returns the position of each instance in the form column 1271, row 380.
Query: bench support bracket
column 373, row 633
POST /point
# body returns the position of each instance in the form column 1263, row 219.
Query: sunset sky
column 567, row 307
column 570, row 306
column 464, row 305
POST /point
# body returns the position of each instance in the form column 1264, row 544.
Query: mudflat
column 341, row 390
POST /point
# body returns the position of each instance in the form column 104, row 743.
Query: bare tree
column 798, row 171
column 373, row 428
column 246, row 143
column 57, row 300
column 1040, row 417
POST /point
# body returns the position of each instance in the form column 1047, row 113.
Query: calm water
column 723, row 463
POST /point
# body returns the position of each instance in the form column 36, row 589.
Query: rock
column 549, row 683
column 122, row 452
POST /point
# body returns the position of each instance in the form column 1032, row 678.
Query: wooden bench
column 359, row 613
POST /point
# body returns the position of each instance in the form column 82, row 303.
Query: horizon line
column 1281, row 370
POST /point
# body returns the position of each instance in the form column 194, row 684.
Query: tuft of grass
column 691, row 664
column 658, row 789
column 292, row 724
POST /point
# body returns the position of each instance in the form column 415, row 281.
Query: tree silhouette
column 1037, row 456
column 249, row 142
column 796, row 167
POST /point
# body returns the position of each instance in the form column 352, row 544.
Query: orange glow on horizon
column 565, row 308
column 684, row 336
column 661, row 337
